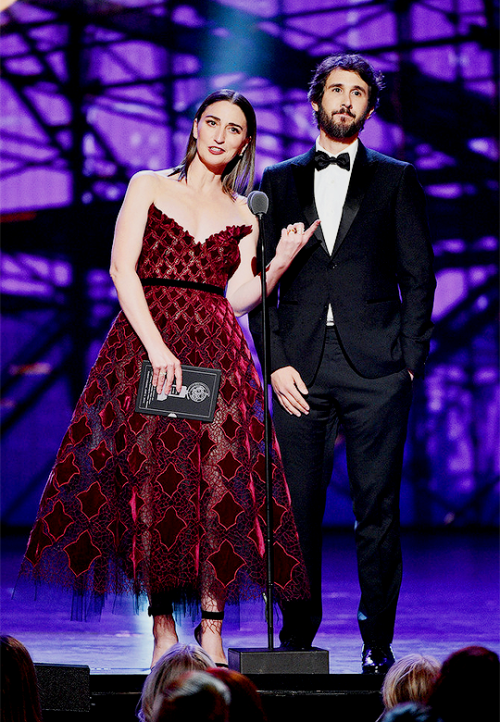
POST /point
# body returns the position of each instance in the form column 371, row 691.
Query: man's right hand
column 290, row 389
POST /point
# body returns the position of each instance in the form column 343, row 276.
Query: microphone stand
column 267, row 441
column 264, row 661
column 258, row 204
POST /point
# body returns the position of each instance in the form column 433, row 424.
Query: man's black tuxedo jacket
column 379, row 278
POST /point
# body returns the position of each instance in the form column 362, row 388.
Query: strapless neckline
column 228, row 228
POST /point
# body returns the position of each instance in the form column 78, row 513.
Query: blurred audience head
column 245, row 705
column 410, row 712
column 20, row 696
column 410, row 679
column 179, row 659
column 468, row 686
column 196, row 696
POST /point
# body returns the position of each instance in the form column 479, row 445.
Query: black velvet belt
column 182, row 284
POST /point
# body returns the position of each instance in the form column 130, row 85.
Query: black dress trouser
column 374, row 416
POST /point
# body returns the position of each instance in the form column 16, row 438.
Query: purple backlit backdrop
column 93, row 91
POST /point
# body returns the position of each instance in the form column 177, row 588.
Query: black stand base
column 278, row 661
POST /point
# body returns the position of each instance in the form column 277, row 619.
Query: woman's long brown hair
column 238, row 175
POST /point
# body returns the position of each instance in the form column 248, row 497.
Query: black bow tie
column 322, row 160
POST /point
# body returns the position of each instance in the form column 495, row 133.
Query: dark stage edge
column 100, row 697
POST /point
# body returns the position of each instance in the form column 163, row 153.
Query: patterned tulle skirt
column 144, row 504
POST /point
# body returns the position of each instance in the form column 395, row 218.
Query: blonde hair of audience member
column 20, row 696
column 410, row 679
column 178, row 660
column 193, row 696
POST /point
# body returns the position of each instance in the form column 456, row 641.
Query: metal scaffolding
column 93, row 91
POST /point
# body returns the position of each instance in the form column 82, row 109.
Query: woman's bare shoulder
column 243, row 209
column 152, row 184
column 169, row 174
column 154, row 177
column 143, row 182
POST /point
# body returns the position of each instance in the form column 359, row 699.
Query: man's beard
column 334, row 129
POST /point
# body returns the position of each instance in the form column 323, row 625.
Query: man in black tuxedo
column 349, row 330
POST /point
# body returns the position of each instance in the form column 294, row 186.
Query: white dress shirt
column 330, row 191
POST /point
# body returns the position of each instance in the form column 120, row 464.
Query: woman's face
column 220, row 133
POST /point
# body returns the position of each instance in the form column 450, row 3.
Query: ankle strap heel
column 214, row 616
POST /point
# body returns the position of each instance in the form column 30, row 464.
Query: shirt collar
column 351, row 149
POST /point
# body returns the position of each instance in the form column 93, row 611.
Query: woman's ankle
column 164, row 634
column 211, row 640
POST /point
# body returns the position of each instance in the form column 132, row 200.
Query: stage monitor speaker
column 63, row 687
column 279, row 661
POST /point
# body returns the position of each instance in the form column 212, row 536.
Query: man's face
column 344, row 106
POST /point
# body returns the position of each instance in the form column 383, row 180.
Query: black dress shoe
column 377, row 659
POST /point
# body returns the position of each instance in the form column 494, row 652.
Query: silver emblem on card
column 196, row 392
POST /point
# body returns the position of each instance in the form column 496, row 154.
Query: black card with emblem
column 196, row 400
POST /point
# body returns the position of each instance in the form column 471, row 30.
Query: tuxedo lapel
column 303, row 171
column 362, row 173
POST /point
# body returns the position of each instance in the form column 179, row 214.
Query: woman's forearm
column 249, row 294
column 244, row 296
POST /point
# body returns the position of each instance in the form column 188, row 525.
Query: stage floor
column 449, row 600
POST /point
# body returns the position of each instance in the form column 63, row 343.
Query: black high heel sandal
column 216, row 616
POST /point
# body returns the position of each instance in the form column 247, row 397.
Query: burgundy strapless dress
column 146, row 504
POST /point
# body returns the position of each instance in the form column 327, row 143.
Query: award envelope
column 196, row 400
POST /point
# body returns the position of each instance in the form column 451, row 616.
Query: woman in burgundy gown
column 175, row 508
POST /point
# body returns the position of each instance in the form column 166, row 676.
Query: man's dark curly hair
column 346, row 61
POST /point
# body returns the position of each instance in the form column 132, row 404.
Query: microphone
column 258, row 202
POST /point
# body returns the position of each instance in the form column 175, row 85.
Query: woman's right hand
column 166, row 370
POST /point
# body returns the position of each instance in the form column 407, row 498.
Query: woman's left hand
column 244, row 290
column 293, row 238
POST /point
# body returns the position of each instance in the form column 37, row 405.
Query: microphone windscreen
column 258, row 202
